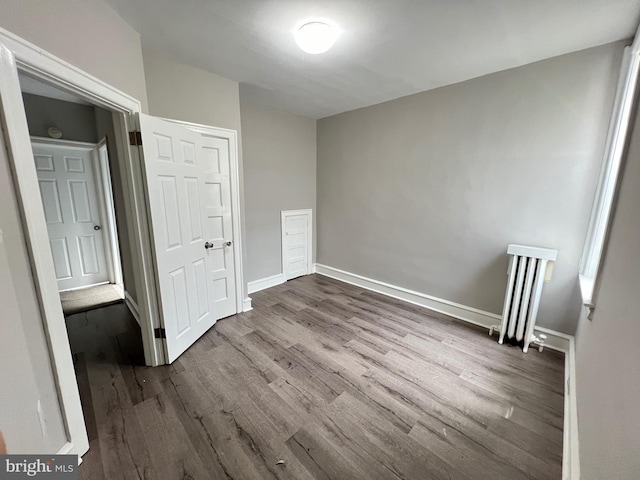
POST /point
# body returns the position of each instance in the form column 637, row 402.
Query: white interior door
column 68, row 191
column 218, row 223
column 296, row 243
column 189, row 190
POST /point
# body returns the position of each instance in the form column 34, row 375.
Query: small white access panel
column 189, row 188
column 68, row 191
column 296, row 243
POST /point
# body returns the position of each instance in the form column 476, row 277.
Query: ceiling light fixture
column 316, row 37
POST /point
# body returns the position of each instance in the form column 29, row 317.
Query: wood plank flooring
column 322, row 380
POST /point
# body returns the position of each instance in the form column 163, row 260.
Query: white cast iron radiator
column 529, row 269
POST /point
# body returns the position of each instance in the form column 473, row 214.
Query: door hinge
column 135, row 138
column 160, row 333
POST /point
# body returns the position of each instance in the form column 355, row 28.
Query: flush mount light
column 316, row 37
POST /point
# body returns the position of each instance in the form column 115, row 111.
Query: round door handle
column 96, row 227
column 208, row 245
column 228, row 244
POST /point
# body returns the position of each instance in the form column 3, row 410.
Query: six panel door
column 188, row 186
column 68, row 191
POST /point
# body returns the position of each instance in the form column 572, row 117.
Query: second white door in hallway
column 68, row 191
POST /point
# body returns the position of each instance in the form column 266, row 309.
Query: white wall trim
column 107, row 207
column 47, row 67
column 18, row 146
column 608, row 182
column 570, row 440
column 66, row 449
column 264, row 283
column 555, row 340
column 138, row 226
column 61, row 142
column 132, row 306
column 247, row 305
column 35, row 61
column 456, row 310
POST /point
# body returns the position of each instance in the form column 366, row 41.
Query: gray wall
column 180, row 92
column 425, row 192
column 87, row 34
column 279, row 174
column 76, row 121
column 607, row 353
column 25, row 368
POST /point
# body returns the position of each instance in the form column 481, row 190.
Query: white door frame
column 48, row 68
column 28, row 58
column 292, row 213
column 16, row 53
column 108, row 214
column 104, row 196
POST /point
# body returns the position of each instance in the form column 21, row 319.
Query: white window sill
column 586, row 290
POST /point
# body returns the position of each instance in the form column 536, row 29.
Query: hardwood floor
column 321, row 380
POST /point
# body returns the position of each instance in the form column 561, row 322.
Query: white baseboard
column 570, row 442
column 132, row 306
column 456, row 310
column 265, row 283
column 555, row 340
column 314, row 267
column 246, row 305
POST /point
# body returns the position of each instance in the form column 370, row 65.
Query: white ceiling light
column 316, row 37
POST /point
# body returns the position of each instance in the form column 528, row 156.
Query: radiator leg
column 541, row 339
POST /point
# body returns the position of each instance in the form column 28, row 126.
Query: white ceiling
column 388, row 49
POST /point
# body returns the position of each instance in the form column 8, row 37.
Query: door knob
column 228, row 244
column 96, row 227
column 208, row 245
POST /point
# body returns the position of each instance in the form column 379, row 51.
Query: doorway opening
column 72, row 142
column 78, row 172
column 217, row 191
